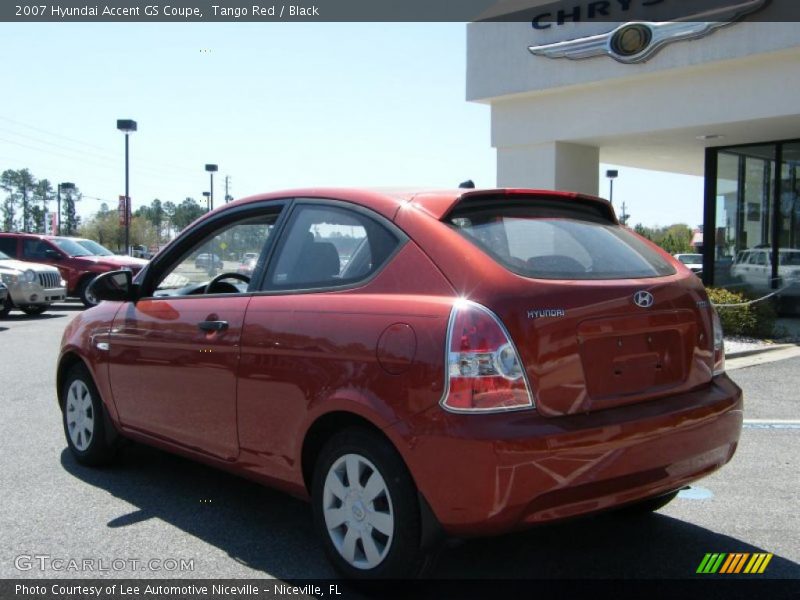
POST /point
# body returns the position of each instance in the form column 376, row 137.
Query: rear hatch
column 599, row 316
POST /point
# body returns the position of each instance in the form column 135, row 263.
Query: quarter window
column 9, row 246
column 329, row 246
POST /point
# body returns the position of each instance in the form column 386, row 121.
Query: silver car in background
column 32, row 287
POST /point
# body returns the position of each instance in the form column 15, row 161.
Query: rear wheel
column 33, row 310
column 365, row 507
column 86, row 296
column 84, row 423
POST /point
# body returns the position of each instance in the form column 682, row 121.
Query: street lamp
column 612, row 174
column 211, row 170
column 207, row 196
column 127, row 126
column 62, row 186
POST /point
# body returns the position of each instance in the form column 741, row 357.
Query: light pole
column 612, row 174
column 127, row 126
column 211, row 170
column 208, row 205
column 61, row 186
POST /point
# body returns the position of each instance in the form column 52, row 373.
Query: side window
column 8, row 246
column 235, row 248
column 34, row 249
column 759, row 258
column 328, row 246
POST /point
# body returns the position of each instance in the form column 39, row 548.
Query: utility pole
column 227, row 183
column 624, row 216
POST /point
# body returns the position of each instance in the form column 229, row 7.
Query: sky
column 275, row 105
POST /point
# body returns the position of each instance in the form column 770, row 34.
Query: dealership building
column 570, row 88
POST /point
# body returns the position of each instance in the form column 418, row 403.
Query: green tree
column 42, row 195
column 19, row 184
column 71, row 220
column 186, row 212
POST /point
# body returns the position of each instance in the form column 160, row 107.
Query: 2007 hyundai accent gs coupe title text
column 470, row 362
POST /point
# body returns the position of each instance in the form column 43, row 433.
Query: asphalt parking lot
column 154, row 506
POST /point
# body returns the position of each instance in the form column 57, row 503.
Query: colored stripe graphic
column 758, row 564
column 734, row 563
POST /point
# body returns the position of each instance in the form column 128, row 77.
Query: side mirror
column 52, row 254
column 115, row 286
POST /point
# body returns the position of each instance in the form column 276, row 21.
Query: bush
column 756, row 320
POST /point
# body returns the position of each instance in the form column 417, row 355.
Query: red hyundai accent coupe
column 467, row 362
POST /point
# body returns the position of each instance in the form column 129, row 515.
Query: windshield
column 691, row 259
column 95, row 248
column 71, row 247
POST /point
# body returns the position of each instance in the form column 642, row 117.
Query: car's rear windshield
column 553, row 243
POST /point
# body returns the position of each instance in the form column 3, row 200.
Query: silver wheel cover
column 79, row 415
column 358, row 511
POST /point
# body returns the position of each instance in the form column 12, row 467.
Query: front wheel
column 84, row 425
column 6, row 307
column 365, row 508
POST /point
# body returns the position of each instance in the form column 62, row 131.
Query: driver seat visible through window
column 318, row 262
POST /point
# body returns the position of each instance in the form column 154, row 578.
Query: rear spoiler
column 552, row 203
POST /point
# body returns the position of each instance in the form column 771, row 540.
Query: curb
column 769, row 348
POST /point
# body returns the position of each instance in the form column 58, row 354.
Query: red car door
column 173, row 364
column 174, row 354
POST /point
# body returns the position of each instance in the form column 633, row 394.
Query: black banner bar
column 538, row 11
column 701, row 588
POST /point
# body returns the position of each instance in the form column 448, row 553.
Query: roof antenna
column 468, row 184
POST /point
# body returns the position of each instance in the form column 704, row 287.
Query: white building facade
column 717, row 101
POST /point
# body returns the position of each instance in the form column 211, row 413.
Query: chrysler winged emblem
column 643, row 299
column 637, row 41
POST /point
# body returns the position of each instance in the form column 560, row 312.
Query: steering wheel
column 215, row 282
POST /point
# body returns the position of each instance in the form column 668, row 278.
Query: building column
column 552, row 166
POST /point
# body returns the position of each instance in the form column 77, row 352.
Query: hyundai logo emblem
column 643, row 299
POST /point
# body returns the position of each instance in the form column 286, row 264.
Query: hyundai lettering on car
column 482, row 361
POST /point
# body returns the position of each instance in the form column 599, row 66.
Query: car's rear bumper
column 493, row 473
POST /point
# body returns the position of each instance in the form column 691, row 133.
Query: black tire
column 401, row 555
column 86, row 434
column 649, row 505
column 87, row 299
column 33, row 310
column 6, row 307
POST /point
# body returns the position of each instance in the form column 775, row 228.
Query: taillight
column 719, row 343
column 484, row 372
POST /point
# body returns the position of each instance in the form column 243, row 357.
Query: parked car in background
column 207, row 260
column 486, row 361
column 77, row 265
column 29, row 287
column 94, row 247
column 753, row 269
column 247, row 266
column 693, row 261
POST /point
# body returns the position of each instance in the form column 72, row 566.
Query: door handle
column 212, row 325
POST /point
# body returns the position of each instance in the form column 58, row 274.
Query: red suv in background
column 77, row 264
